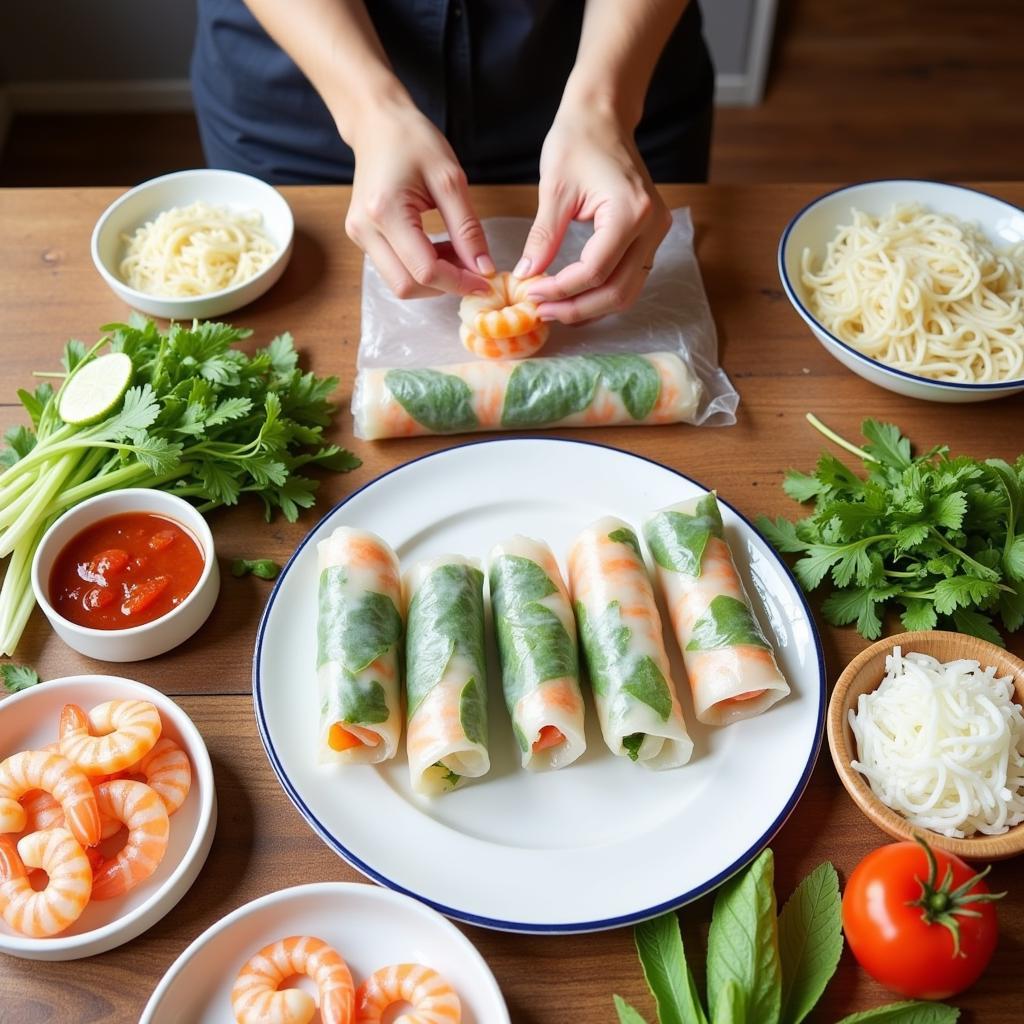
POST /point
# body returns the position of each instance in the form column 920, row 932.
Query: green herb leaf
column 743, row 945
column 801, row 486
column 918, row 615
column 810, row 942
column 627, row 537
column 632, row 743
column 910, row 1012
column 977, row 624
column 353, row 629
column 605, row 643
column 678, row 540
column 960, row 591
column 18, row 677
column 659, row 944
column 363, row 702
column 626, row 1013
column 1014, row 559
column 441, row 402
column 634, row 378
column 732, row 1006
column 647, row 685
column 727, row 622
column 886, row 443
column 544, row 391
column 473, row 712
column 781, row 534
column 262, row 568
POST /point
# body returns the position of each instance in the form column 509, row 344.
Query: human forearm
column 337, row 48
column 619, row 47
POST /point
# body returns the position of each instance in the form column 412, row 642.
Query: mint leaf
column 647, row 685
column 743, row 944
column 659, row 944
column 441, row 402
column 627, row 1015
column 726, row 622
column 810, row 942
column 545, row 391
column 363, row 702
column 634, row 378
column 910, row 1012
column 678, row 540
column 353, row 629
column 17, row 677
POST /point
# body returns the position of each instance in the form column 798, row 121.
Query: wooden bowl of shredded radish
column 927, row 735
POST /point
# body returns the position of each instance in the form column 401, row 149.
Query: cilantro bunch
column 201, row 419
column 941, row 538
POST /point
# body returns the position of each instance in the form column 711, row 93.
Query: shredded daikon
column 943, row 745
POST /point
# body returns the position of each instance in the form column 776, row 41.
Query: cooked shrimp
column 255, row 998
column 42, row 811
column 56, row 775
column 113, row 736
column 166, row 769
column 519, row 346
column 431, row 998
column 502, row 324
column 142, row 811
column 60, row 904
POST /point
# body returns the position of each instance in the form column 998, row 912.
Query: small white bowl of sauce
column 127, row 575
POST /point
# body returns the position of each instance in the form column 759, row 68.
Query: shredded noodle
column 196, row 250
column 943, row 745
column 923, row 292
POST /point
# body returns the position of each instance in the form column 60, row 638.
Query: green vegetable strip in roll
column 446, row 674
column 359, row 633
column 537, row 644
column 621, row 635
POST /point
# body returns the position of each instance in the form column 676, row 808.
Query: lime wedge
column 94, row 390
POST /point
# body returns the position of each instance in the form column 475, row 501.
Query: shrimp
column 255, row 998
column 113, row 736
column 502, row 324
column 60, row 904
column 142, row 811
column 56, row 775
column 167, row 770
column 431, row 998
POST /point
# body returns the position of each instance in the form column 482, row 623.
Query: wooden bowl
column 862, row 675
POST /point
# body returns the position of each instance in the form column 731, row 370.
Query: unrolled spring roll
column 731, row 666
column 359, row 633
column 536, row 634
column 445, row 674
column 620, row 632
column 565, row 391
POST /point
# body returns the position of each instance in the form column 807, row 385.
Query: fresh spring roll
column 565, row 391
column 536, row 634
column 359, row 633
column 445, row 673
column 620, row 632
column 731, row 666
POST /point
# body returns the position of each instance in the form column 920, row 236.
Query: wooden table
column 49, row 291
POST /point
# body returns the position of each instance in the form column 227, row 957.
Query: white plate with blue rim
column 603, row 842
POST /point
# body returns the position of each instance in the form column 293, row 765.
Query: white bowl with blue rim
column 817, row 224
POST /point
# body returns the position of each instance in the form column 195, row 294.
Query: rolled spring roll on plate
column 536, row 635
column 621, row 635
column 730, row 663
column 446, row 673
column 359, row 634
column 565, row 391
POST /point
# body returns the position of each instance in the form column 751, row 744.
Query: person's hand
column 405, row 167
column 591, row 170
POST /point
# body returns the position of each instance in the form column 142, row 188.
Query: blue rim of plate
column 813, row 322
column 527, row 927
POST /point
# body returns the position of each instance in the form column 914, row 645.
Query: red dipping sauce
column 125, row 570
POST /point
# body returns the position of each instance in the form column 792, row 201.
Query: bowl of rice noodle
column 917, row 286
column 194, row 244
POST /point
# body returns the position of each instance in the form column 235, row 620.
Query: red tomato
column 143, row 594
column 920, row 923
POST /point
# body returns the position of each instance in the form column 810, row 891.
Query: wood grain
column 50, row 292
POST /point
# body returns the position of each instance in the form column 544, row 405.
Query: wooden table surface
column 49, row 292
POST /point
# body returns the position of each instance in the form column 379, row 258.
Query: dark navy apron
column 488, row 73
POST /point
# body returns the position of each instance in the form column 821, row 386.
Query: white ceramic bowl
column 370, row 927
column 28, row 720
column 239, row 192
column 816, row 225
column 151, row 638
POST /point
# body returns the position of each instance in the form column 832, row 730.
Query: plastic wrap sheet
column 671, row 315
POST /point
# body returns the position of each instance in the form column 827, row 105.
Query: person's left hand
column 591, row 170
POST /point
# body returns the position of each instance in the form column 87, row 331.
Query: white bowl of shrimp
column 390, row 947
column 154, row 818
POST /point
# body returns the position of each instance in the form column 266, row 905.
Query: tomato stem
column 941, row 904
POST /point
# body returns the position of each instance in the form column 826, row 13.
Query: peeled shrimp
column 142, row 811
column 56, row 775
column 502, row 324
column 255, row 998
column 60, row 904
column 167, row 770
column 111, row 737
column 432, row 999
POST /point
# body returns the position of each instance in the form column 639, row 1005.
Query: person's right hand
column 405, row 167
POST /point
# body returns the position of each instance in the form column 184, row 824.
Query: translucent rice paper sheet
column 671, row 315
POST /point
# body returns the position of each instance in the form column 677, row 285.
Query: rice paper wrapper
column 671, row 315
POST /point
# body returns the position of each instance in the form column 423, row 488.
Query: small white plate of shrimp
column 333, row 952
column 107, row 813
